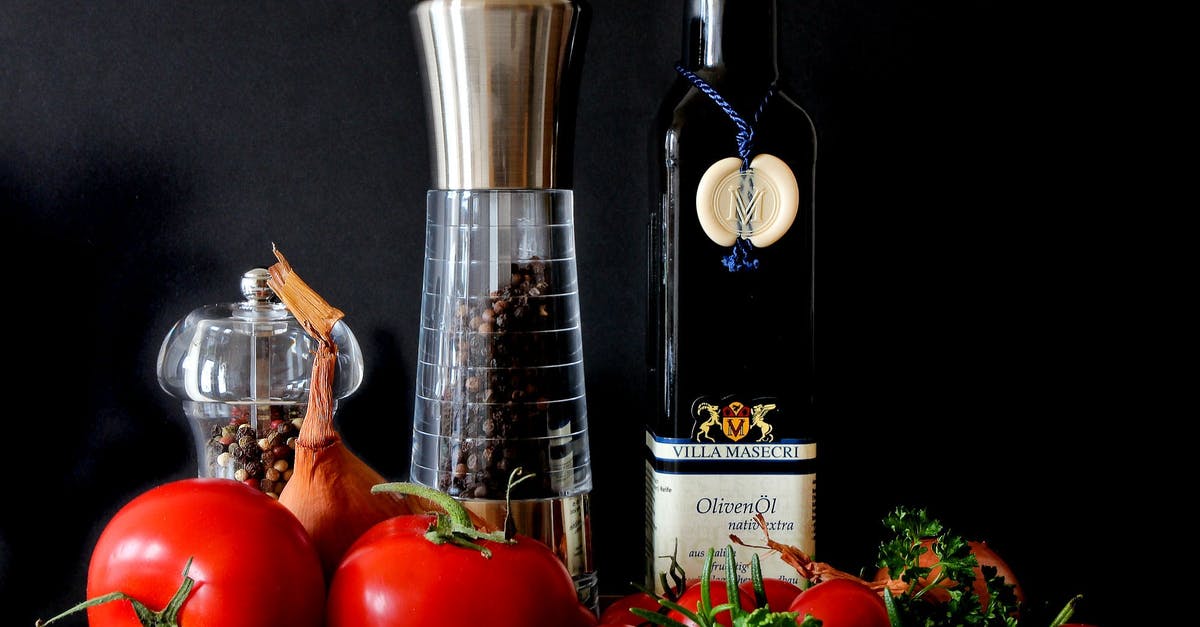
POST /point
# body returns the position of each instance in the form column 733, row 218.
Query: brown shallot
column 330, row 488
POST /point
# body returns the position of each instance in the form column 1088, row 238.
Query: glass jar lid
column 252, row 351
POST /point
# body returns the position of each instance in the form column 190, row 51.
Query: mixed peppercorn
column 504, row 394
column 261, row 458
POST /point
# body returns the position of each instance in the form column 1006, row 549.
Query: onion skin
column 984, row 554
column 988, row 557
column 330, row 491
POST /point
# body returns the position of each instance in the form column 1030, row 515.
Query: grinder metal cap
column 501, row 85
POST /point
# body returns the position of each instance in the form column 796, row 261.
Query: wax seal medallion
column 758, row 204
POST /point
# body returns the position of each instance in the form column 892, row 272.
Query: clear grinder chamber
column 243, row 372
column 500, row 373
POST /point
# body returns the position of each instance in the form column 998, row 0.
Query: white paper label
column 702, row 510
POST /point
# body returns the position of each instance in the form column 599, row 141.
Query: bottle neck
column 732, row 37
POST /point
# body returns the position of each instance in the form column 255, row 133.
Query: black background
column 151, row 152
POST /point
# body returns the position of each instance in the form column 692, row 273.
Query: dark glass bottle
column 732, row 431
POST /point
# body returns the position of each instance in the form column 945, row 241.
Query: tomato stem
column 167, row 617
column 455, row 510
column 453, row 525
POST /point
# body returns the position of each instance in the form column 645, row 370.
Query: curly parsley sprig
column 923, row 596
column 912, row 530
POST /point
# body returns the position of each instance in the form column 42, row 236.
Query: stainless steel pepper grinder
column 500, row 382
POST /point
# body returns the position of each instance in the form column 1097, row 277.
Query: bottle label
column 733, row 476
column 758, row 204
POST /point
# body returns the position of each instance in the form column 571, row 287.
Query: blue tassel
column 740, row 258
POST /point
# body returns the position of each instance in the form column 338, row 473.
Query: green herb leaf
column 756, row 580
column 1067, row 611
column 889, row 601
column 954, row 564
column 902, row 552
column 657, row 619
column 762, row 617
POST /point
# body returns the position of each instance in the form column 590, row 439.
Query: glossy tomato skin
column 717, row 595
column 841, row 603
column 252, row 560
column 780, row 593
column 617, row 612
column 392, row 576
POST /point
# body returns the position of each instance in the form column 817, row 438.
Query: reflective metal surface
column 498, row 89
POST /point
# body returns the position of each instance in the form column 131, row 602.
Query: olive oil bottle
column 732, row 434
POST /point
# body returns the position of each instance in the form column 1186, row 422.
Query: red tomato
column 393, row 576
column 717, row 595
column 617, row 612
column 841, row 603
column 779, row 592
column 252, row 560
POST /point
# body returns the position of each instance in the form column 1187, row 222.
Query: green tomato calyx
column 453, row 525
column 166, row 617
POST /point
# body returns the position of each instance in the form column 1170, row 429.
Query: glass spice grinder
column 500, row 380
column 243, row 372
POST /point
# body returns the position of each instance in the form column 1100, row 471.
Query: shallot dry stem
column 812, row 571
column 330, row 488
